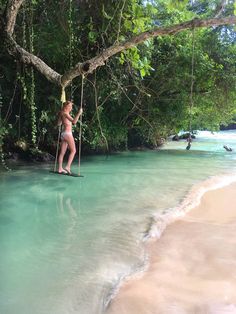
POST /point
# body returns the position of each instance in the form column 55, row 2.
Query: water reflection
column 65, row 242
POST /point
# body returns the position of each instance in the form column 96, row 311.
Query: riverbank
column 192, row 266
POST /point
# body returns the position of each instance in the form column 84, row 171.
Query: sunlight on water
column 66, row 242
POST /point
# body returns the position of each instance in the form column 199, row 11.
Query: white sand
column 192, row 266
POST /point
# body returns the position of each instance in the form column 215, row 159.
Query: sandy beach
column 192, row 266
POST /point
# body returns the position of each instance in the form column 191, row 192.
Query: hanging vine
column 21, row 70
column 98, row 108
column 3, row 133
column 32, row 79
column 71, row 43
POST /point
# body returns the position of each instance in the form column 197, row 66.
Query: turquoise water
column 66, row 243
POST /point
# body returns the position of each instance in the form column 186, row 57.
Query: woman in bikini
column 67, row 139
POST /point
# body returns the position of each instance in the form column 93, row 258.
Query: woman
column 67, row 139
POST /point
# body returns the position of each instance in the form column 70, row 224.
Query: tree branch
column 17, row 51
column 89, row 66
column 12, row 9
column 28, row 58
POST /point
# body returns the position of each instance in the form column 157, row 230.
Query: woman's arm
column 75, row 120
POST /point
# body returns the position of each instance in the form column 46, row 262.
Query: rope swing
column 63, row 95
column 63, row 99
column 191, row 103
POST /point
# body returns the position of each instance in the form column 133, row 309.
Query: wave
column 192, row 200
column 161, row 220
column 136, row 272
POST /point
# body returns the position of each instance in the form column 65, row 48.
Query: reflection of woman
column 67, row 139
column 65, row 206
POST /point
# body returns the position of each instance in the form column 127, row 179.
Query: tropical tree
column 142, row 93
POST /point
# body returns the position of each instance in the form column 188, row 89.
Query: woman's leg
column 71, row 143
column 64, row 146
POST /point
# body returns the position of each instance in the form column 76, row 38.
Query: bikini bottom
column 65, row 133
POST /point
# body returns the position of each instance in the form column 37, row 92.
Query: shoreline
column 193, row 264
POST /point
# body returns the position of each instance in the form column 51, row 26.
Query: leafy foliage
column 140, row 96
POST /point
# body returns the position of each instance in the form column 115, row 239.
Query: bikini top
column 66, row 124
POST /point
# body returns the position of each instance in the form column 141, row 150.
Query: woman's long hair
column 64, row 105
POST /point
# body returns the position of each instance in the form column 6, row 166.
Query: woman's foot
column 62, row 171
column 67, row 171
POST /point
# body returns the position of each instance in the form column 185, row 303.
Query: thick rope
column 191, row 103
column 63, row 95
column 80, row 126
column 192, row 81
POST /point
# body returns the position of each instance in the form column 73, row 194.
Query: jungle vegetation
column 135, row 97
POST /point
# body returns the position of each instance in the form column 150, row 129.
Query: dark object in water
column 229, row 149
column 188, row 146
column 67, row 174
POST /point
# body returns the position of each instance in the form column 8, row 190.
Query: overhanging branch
column 100, row 60
column 90, row 65
column 28, row 58
column 17, row 51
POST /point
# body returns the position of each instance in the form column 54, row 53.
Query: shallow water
column 198, row 252
column 66, row 243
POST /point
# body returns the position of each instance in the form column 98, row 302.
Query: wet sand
column 192, row 266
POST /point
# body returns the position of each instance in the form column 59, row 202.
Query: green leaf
column 142, row 72
column 92, row 36
column 122, row 58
